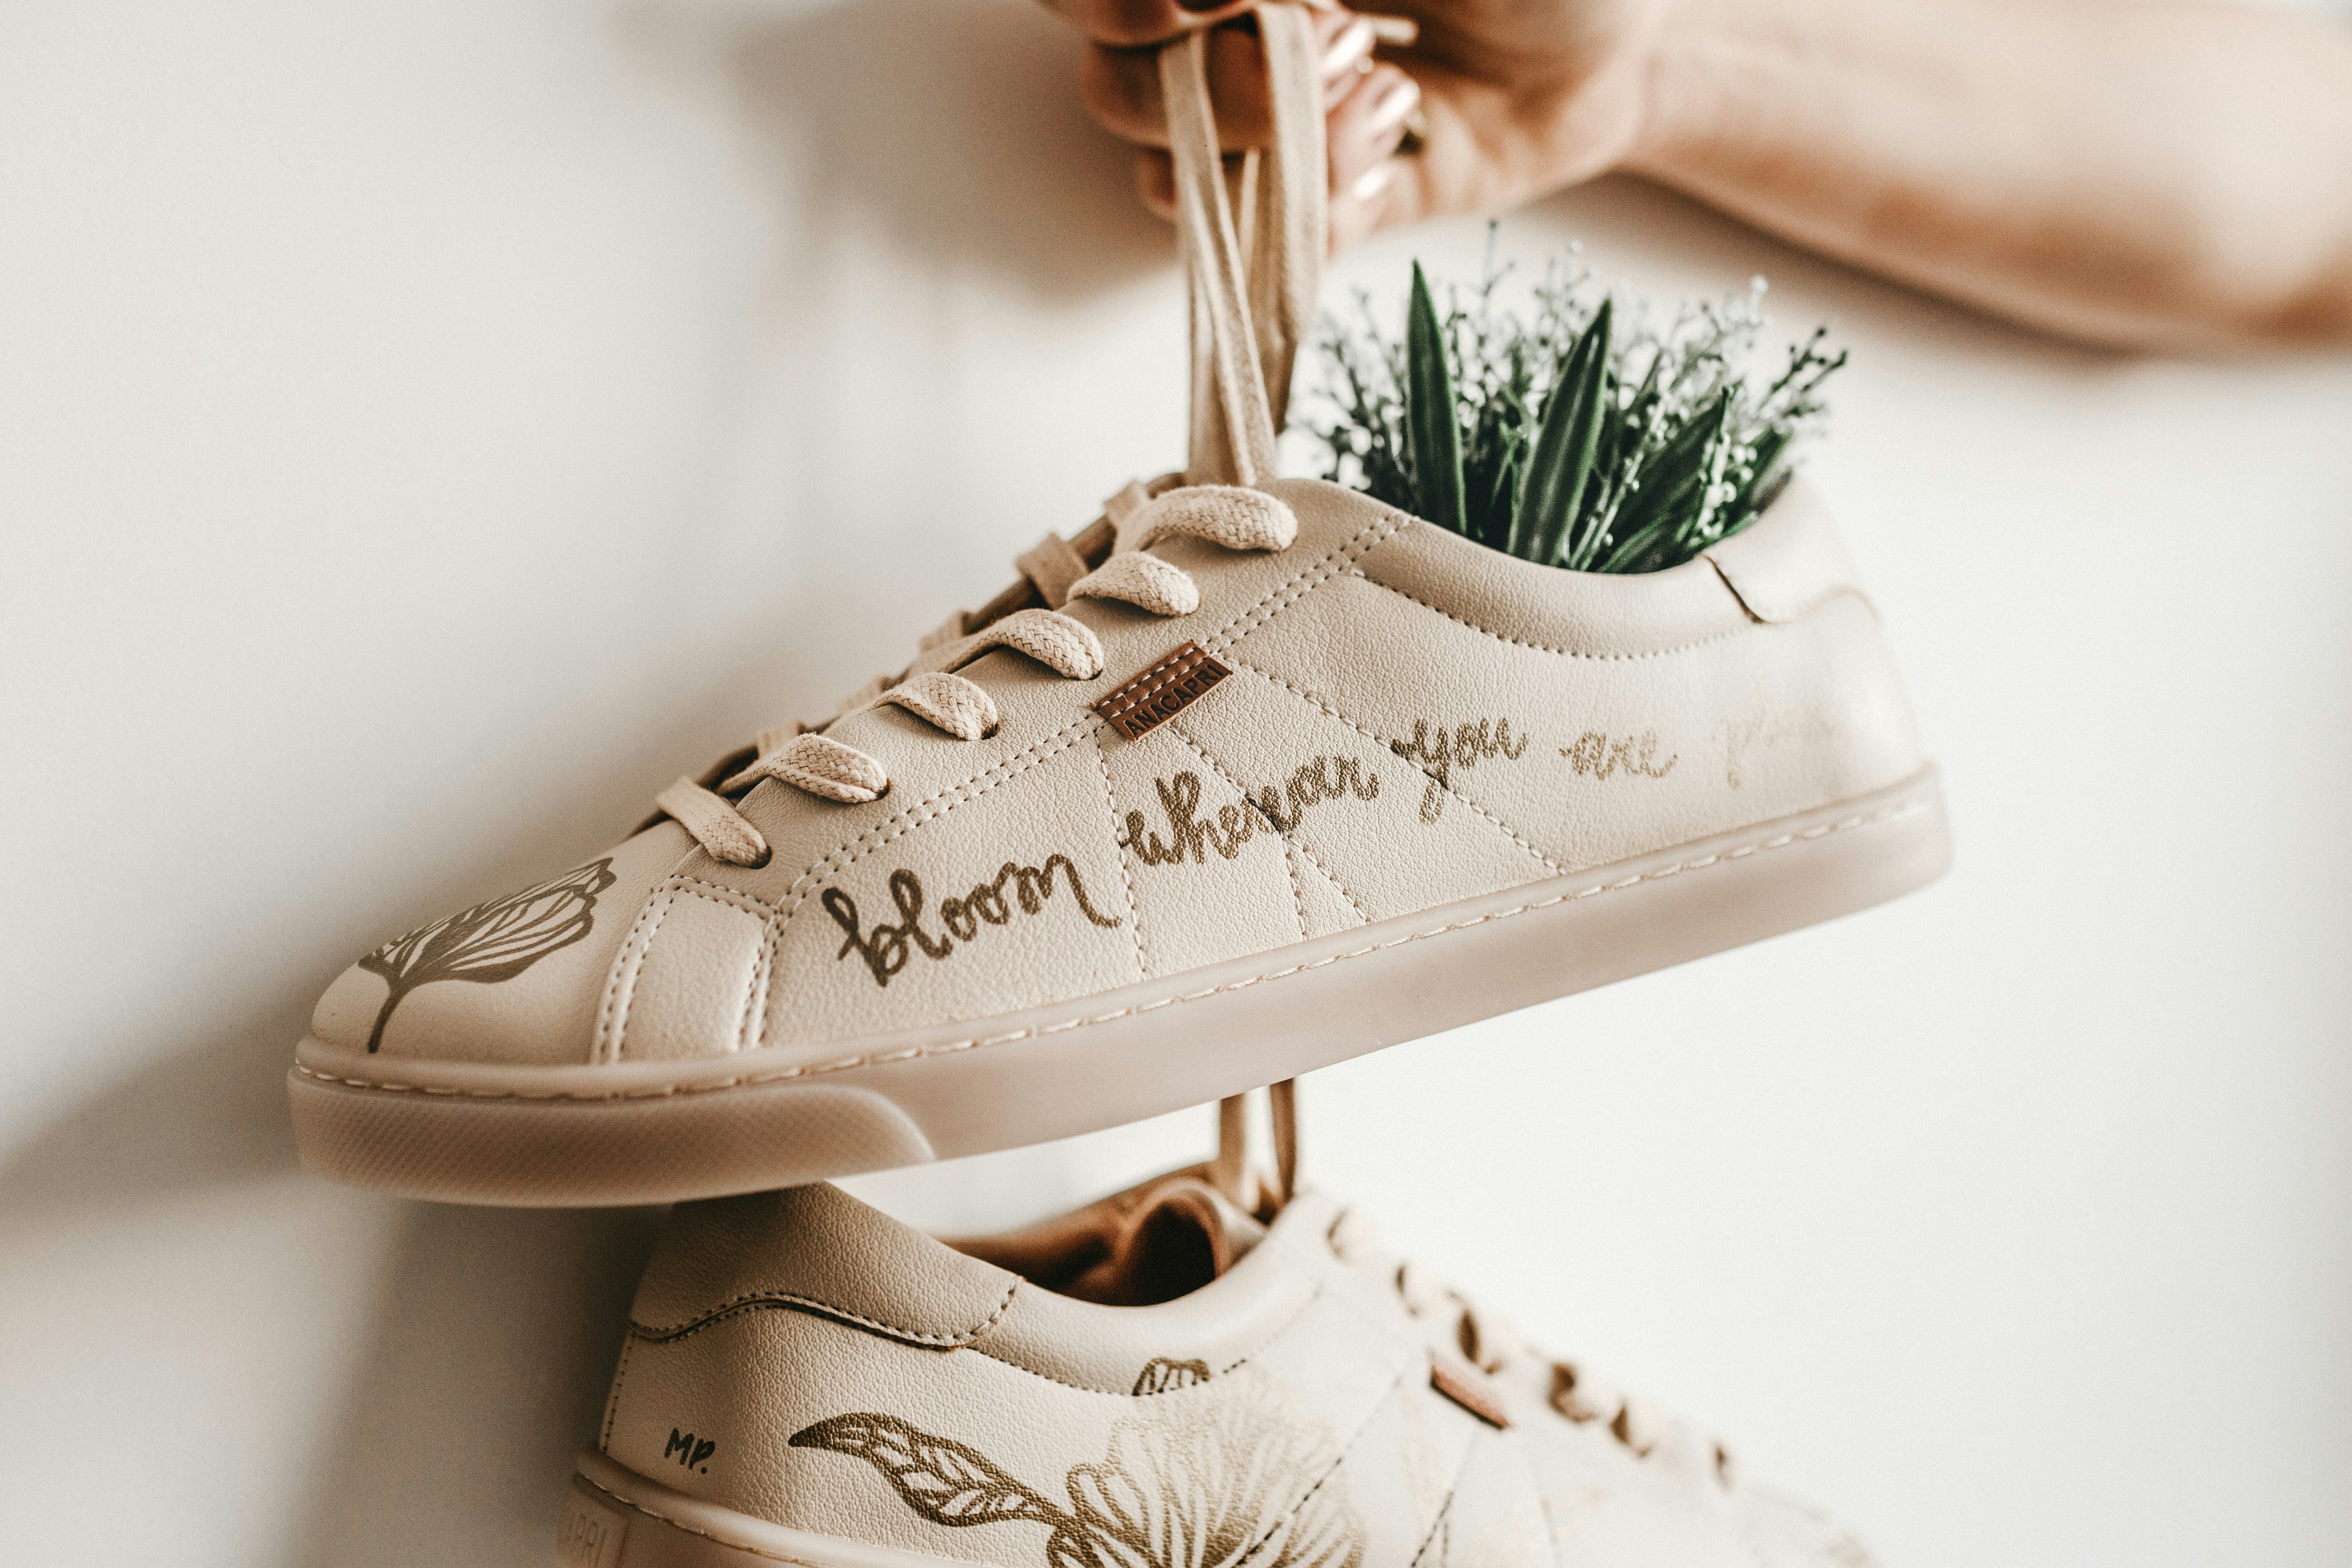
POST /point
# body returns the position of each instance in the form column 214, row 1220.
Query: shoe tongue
column 1176, row 1235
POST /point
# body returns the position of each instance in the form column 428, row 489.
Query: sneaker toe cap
column 514, row 980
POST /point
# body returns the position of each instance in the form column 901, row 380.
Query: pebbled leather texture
column 1411, row 719
column 1292, row 1411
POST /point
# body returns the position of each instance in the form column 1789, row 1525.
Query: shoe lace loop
column 1054, row 572
column 1491, row 1345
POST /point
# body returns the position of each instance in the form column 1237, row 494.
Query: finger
column 1363, row 132
column 1364, row 128
column 1137, row 24
column 1120, row 88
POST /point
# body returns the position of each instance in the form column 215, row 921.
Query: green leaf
column 1434, row 439
column 1583, row 540
column 1673, row 485
column 1566, row 444
column 1763, row 476
column 1501, row 506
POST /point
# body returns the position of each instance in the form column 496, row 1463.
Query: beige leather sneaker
column 1152, row 1383
column 1289, row 777
column 1254, row 762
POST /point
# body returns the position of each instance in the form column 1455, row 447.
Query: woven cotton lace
column 807, row 759
column 1490, row 1345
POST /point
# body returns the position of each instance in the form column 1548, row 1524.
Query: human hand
column 1514, row 98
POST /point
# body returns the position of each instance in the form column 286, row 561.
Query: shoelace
column 1250, row 310
column 1490, row 1344
column 806, row 758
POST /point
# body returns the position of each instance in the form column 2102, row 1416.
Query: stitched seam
column 623, row 962
column 1306, row 582
column 696, row 888
column 626, row 999
column 1777, row 841
column 1439, row 1522
column 772, row 945
column 1306, row 695
column 1235, row 1365
column 916, row 816
column 1543, row 1501
column 1259, row 812
column 1332, row 877
column 1298, row 893
column 755, row 1300
column 875, row 838
column 1546, row 647
column 1445, row 1509
column 754, row 986
column 1134, row 695
column 690, row 1529
column 1134, row 910
column 1337, row 1465
column 719, row 892
column 612, row 1400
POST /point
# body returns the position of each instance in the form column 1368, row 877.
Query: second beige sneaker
column 1157, row 1382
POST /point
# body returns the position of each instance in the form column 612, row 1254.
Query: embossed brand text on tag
column 1162, row 691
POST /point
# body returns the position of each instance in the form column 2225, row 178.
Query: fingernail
column 1390, row 112
column 1372, row 182
column 1354, row 42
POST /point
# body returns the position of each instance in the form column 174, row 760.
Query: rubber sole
column 615, row 1518
column 644, row 1133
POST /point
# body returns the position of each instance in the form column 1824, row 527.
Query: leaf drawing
column 1163, row 1375
column 938, row 1478
column 491, row 942
column 1245, row 1484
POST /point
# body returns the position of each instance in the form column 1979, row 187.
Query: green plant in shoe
column 1580, row 439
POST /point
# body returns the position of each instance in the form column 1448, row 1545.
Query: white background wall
column 426, row 428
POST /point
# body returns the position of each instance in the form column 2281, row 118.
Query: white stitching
column 1134, row 908
column 833, row 864
column 754, row 1301
column 1298, row 893
column 625, row 963
column 1287, row 841
column 1331, row 876
column 1305, row 696
column 612, row 1400
column 1306, row 582
column 1546, row 647
column 1874, row 819
column 623, row 999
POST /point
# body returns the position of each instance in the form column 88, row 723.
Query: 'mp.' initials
column 687, row 1449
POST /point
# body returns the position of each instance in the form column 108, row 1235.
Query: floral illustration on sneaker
column 491, row 942
column 1243, row 1485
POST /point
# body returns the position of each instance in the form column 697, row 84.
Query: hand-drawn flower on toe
column 1242, row 1484
column 491, row 942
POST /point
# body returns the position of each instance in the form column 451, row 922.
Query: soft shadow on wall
column 951, row 128
column 484, row 1373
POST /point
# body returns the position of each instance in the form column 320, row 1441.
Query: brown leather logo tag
column 1162, row 691
column 1466, row 1388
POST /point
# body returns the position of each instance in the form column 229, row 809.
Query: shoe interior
column 1151, row 1244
